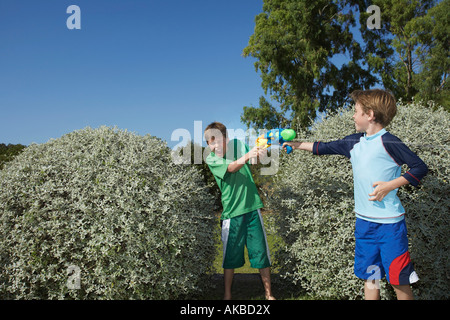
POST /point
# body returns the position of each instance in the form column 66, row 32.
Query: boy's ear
column 371, row 115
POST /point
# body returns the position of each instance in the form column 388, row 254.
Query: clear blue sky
column 149, row 66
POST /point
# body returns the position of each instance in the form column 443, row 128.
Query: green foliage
column 410, row 51
column 8, row 152
column 294, row 43
column 299, row 47
column 314, row 198
column 114, row 205
column 193, row 153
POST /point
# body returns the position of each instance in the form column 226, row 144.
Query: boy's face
column 362, row 120
column 218, row 146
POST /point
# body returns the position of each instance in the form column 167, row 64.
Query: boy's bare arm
column 308, row 146
column 384, row 187
column 236, row 165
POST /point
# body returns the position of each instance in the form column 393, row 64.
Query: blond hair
column 381, row 102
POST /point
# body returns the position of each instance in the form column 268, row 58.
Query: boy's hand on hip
column 381, row 190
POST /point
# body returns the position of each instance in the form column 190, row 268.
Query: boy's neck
column 373, row 129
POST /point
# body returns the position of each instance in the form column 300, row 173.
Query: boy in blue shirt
column 381, row 246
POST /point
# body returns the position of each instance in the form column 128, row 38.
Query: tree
column 410, row 52
column 432, row 80
column 294, row 43
column 8, row 152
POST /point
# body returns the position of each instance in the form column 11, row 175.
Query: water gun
column 282, row 135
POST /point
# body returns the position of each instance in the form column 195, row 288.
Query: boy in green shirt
column 241, row 220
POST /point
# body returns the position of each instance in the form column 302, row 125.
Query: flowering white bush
column 103, row 214
column 314, row 198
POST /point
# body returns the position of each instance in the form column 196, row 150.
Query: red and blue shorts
column 382, row 249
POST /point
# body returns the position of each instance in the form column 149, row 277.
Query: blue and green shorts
column 246, row 230
column 382, row 249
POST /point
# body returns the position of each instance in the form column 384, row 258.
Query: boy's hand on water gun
column 262, row 152
column 294, row 145
column 254, row 152
column 252, row 155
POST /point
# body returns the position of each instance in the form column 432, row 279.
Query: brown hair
column 213, row 130
column 381, row 102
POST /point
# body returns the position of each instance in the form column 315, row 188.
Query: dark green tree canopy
column 8, row 152
column 297, row 45
column 410, row 52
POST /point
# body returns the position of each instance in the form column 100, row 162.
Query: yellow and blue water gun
column 282, row 135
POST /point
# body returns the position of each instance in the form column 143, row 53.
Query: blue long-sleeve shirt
column 378, row 157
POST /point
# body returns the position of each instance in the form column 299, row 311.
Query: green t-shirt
column 239, row 192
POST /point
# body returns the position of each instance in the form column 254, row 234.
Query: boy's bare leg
column 265, row 276
column 404, row 292
column 228, row 275
column 371, row 290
